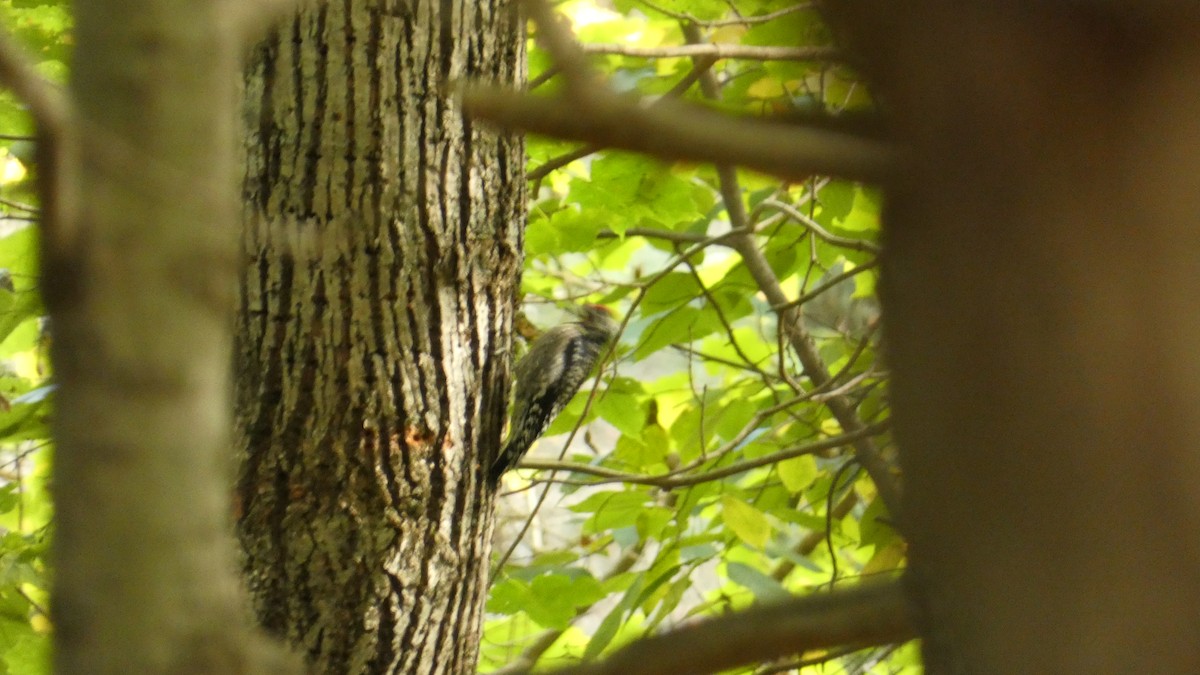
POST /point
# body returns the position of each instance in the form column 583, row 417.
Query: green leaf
column 762, row 586
column 735, row 414
column 748, row 523
column 797, row 473
column 652, row 522
column 10, row 498
column 611, row 625
column 875, row 528
column 669, row 292
column 681, row 326
column 623, row 410
column 16, row 309
column 555, row 597
column 611, row 510
column 865, row 215
column 508, row 596
column 631, row 453
column 605, row 632
column 28, row 654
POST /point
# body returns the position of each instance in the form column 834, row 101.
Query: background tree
column 138, row 248
column 1040, row 295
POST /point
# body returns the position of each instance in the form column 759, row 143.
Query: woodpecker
column 557, row 363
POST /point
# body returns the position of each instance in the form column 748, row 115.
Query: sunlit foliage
column 703, row 477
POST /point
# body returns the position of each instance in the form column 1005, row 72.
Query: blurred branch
column 253, row 18
column 592, row 113
column 554, row 34
column 676, row 131
column 828, row 285
column 43, row 99
column 867, row 615
column 535, row 176
column 51, row 114
column 719, row 51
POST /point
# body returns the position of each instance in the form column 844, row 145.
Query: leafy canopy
column 706, row 475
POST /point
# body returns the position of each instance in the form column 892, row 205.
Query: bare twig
column 20, row 206
column 810, row 542
column 719, row 51
column 815, row 227
column 671, row 480
column 827, row 286
column 868, row 615
column 791, row 322
column 736, row 21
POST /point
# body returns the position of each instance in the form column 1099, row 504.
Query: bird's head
column 600, row 319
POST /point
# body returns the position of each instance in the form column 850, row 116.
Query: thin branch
column 541, row 78
column 813, row 539
column 535, row 176
column 868, row 615
column 827, row 286
column 736, row 21
column 719, row 51
column 20, row 206
column 815, row 227
column 671, row 480
column 791, row 322
column 33, row 603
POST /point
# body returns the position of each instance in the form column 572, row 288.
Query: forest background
column 763, row 499
column 736, row 449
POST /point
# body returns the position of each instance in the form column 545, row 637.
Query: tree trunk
column 1040, row 301
column 383, row 239
column 141, row 287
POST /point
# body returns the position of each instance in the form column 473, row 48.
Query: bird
column 548, row 376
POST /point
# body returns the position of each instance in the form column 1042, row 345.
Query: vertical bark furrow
column 291, row 179
column 316, row 107
column 352, row 66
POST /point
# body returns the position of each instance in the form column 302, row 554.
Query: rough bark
column 382, row 243
column 140, row 287
column 1040, row 303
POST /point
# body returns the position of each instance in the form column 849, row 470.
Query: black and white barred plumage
column 553, row 369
